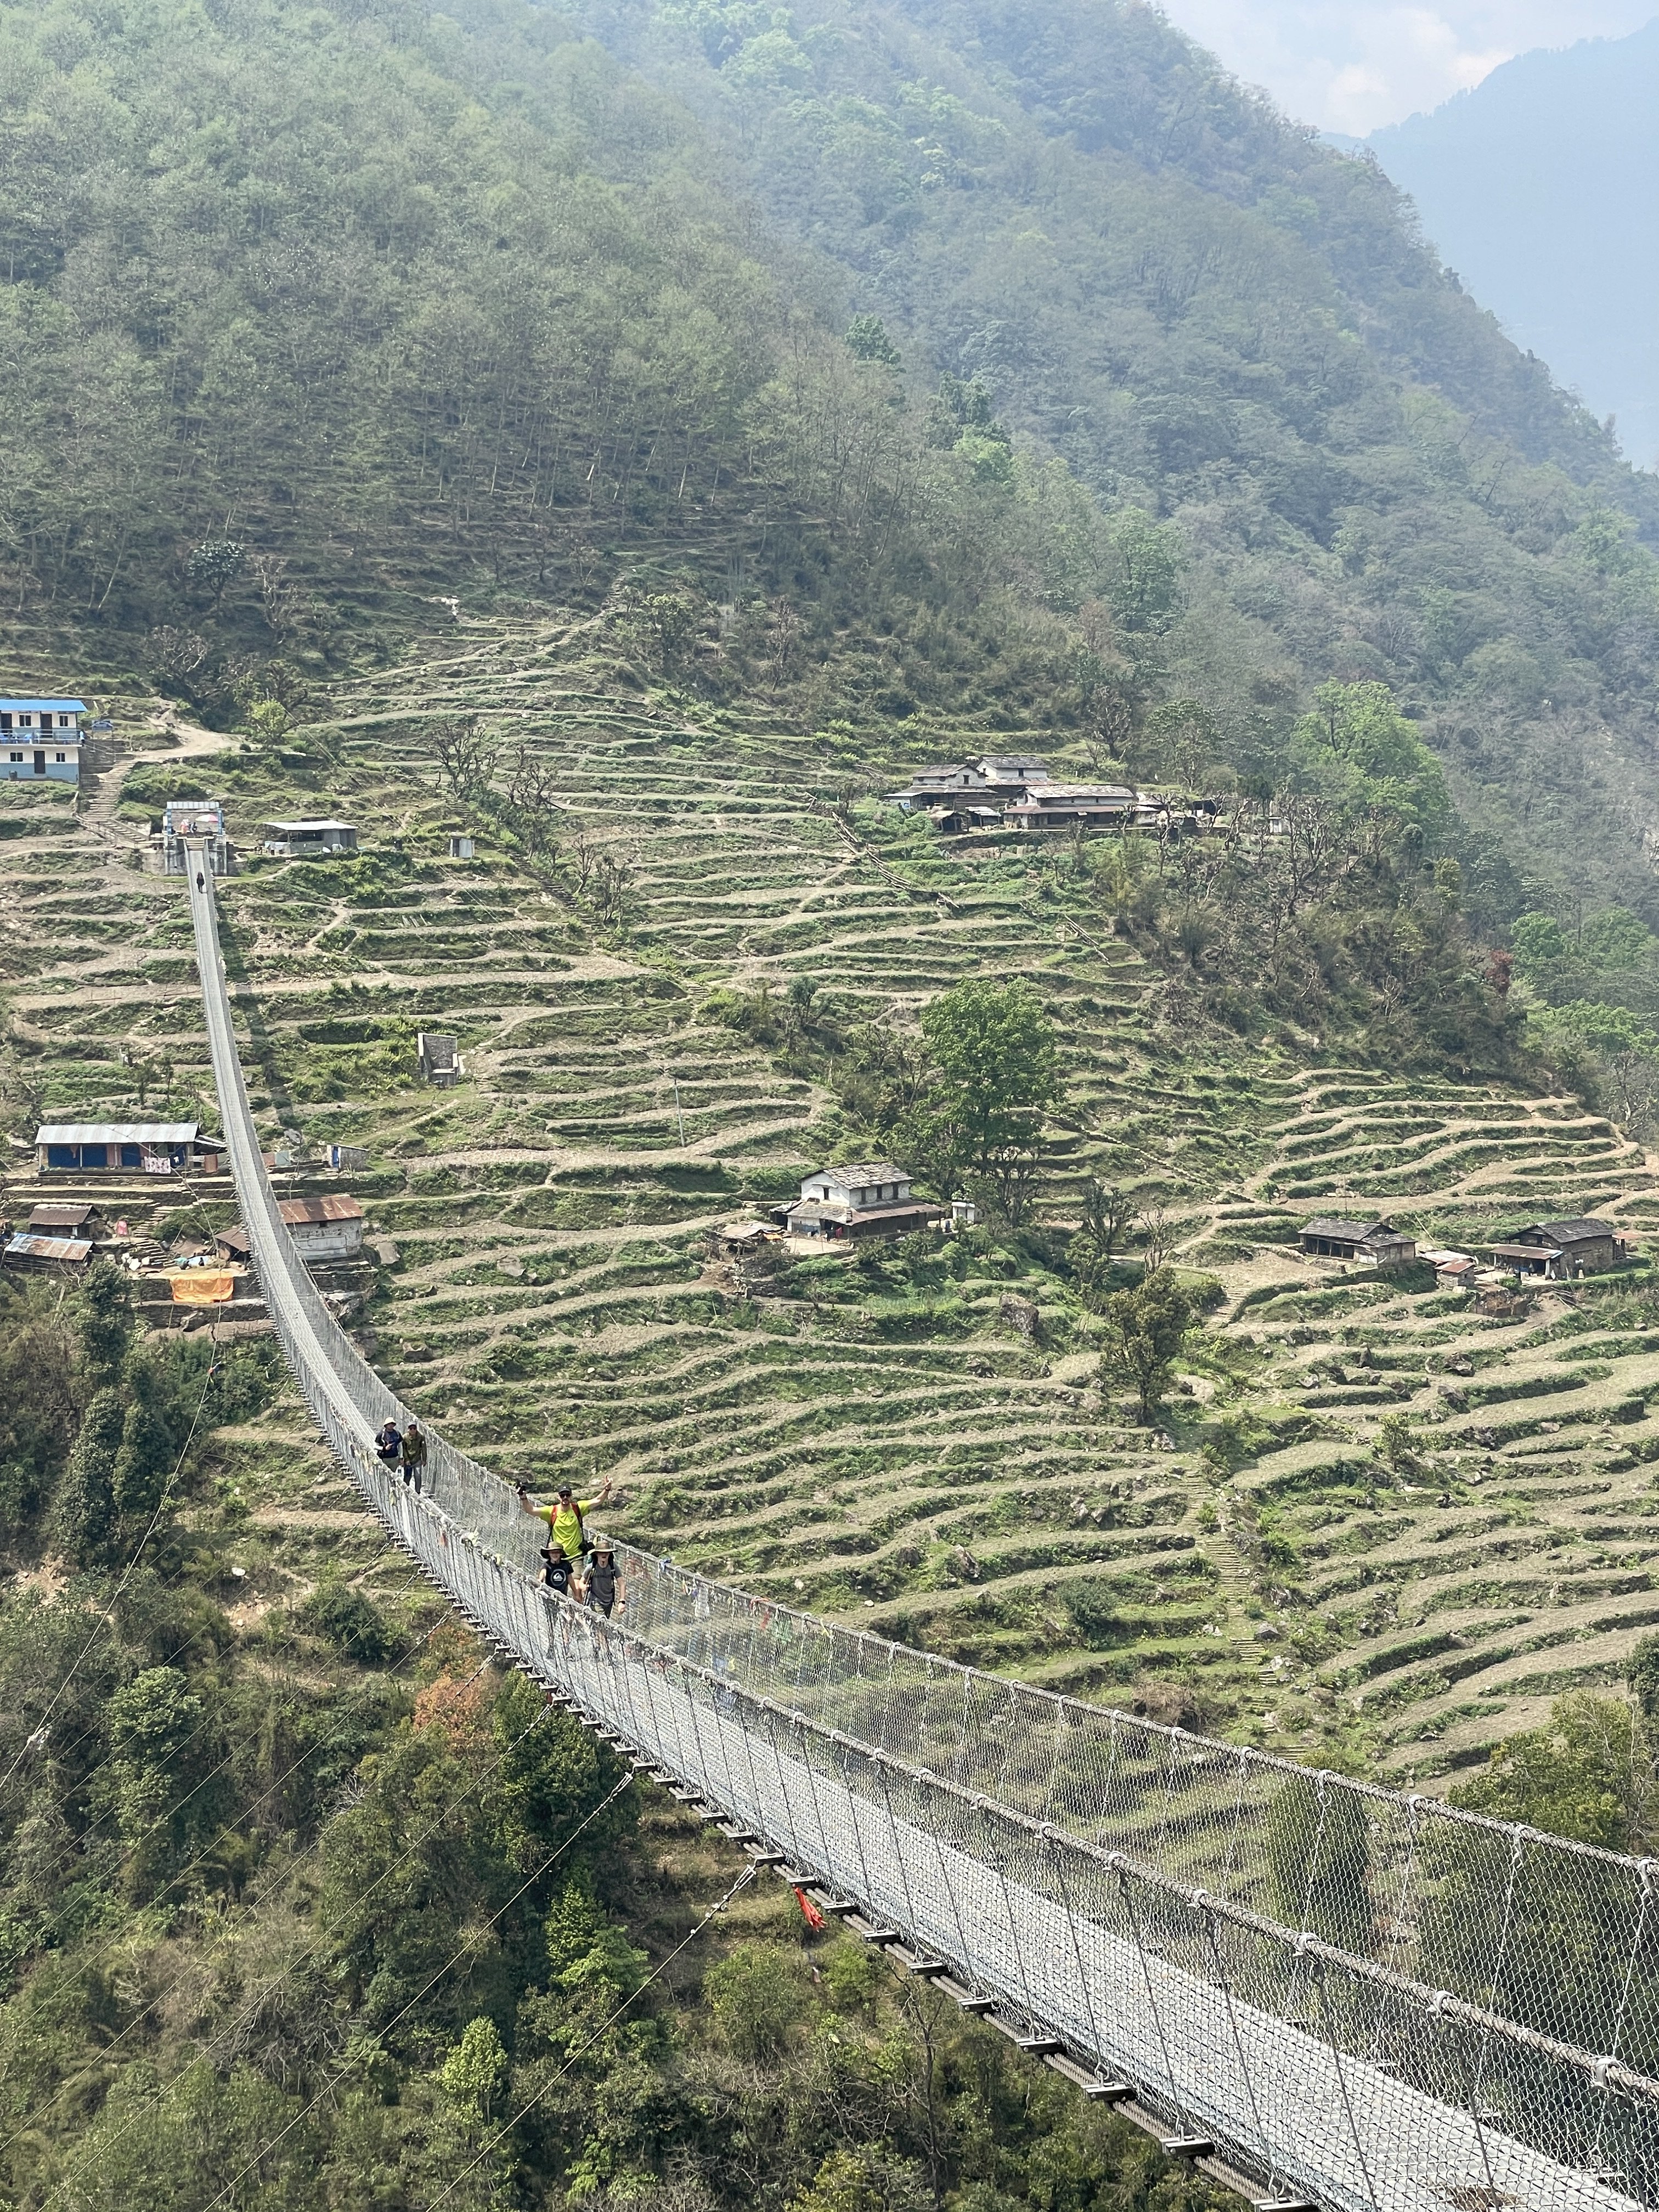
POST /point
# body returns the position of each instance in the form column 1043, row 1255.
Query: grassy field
column 917, row 1442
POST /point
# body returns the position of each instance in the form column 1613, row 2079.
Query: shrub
column 350, row 1621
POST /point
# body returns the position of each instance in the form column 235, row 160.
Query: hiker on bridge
column 414, row 1454
column 605, row 1584
column 389, row 1444
column 559, row 1573
column 565, row 1516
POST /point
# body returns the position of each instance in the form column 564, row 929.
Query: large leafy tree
column 997, row 1073
column 1145, row 1327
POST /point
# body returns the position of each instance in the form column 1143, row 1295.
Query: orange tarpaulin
column 198, row 1287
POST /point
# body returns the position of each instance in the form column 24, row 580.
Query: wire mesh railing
column 1367, row 1999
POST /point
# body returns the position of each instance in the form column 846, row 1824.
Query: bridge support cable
column 1113, row 1893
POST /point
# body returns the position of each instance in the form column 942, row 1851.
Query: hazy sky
column 1353, row 64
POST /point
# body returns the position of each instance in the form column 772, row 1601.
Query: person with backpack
column 388, row 1445
column 414, row 1456
column 605, row 1584
column 565, row 1516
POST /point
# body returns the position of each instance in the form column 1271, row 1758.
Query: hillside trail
column 187, row 741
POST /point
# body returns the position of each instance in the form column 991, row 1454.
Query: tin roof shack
column 869, row 1198
column 1362, row 1244
column 47, row 1255
column 200, row 820
column 40, row 740
column 325, row 1229
column 1453, row 1271
column 108, row 1147
column 81, row 1220
column 1554, row 1250
column 437, row 1060
column 308, row 841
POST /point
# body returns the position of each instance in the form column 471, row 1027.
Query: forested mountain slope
column 317, row 319
column 1216, row 319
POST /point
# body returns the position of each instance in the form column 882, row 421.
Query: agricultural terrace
column 1366, row 1514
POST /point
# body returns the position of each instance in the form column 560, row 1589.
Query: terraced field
column 1370, row 1517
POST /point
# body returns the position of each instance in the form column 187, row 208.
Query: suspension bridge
column 1322, row 1993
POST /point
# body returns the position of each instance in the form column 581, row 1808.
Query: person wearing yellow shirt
column 565, row 1516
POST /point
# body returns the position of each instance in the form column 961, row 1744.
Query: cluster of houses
column 1016, row 791
column 62, row 1236
column 1544, row 1251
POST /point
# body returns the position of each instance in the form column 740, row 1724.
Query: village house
column 49, row 1256
column 1553, row 1250
column 203, row 822
column 40, row 740
column 308, row 841
column 1362, row 1244
column 66, row 1220
column 323, row 1229
column 972, row 794
column 1453, row 1271
column 1059, row 806
column 864, row 1198
column 107, row 1147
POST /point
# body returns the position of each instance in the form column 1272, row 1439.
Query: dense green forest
column 337, row 1914
column 321, row 318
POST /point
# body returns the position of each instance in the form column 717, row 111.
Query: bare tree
column 1158, row 1235
column 582, row 856
column 613, row 888
column 278, row 601
column 533, row 797
column 466, row 760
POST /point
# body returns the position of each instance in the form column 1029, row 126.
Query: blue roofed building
column 40, row 740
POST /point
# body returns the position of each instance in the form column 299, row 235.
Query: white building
column 40, row 740
column 869, row 1198
column 329, row 1228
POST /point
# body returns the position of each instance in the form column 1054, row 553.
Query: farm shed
column 437, row 1060
column 47, row 1255
column 1364, row 1243
column 66, row 1220
column 308, row 841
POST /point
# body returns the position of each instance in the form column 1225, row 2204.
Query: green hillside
column 633, row 440
column 330, row 318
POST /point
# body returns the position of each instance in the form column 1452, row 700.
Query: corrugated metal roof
column 296, row 1212
column 41, row 706
column 59, row 1217
column 48, row 1248
column 117, row 1133
column 857, row 1173
column 298, row 829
